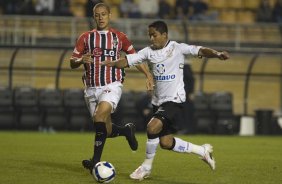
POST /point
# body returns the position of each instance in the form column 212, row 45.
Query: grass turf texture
column 32, row 157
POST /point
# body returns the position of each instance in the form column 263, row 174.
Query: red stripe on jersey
column 109, row 45
column 118, row 71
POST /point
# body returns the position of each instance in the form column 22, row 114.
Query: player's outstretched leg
column 140, row 173
column 204, row 151
column 130, row 136
column 208, row 158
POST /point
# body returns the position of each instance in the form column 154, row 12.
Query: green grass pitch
column 33, row 158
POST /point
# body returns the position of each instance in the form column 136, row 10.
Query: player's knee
column 99, row 119
column 167, row 142
column 151, row 130
column 103, row 112
column 101, row 116
column 154, row 126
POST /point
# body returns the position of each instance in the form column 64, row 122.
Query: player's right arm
column 76, row 62
column 80, row 55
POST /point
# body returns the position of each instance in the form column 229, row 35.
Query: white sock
column 183, row 146
column 151, row 148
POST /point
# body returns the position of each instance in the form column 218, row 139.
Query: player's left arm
column 211, row 53
column 143, row 67
column 150, row 80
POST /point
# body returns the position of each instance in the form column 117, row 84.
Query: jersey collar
column 168, row 41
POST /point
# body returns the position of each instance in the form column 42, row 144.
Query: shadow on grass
column 82, row 175
column 154, row 179
column 56, row 165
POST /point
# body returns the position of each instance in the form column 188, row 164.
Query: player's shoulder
column 90, row 31
column 182, row 45
column 116, row 31
column 175, row 43
column 86, row 33
column 149, row 48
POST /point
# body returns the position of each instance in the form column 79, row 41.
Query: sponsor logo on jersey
column 165, row 77
column 109, row 52
column 98, row 52
column 160, row 68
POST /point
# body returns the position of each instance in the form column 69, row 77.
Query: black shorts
column 167, row 113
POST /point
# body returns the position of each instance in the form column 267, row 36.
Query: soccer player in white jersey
column 166, row 60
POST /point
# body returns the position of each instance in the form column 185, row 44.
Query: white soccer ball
column 104, row 172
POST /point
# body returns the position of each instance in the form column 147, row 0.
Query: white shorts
column 110, row 93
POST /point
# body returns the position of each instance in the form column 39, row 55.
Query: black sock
column 117, row 131
column 100, row 139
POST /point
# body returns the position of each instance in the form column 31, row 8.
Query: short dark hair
column 102, row 5
column 160, row 26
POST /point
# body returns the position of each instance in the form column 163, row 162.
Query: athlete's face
column 157, row 39
column 102, row 17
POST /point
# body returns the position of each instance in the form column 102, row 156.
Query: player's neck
column 166, row 43
column 161, row 46
column 103, row 29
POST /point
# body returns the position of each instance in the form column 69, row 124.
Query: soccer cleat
column 88, row 164
column 208, row 158
column 140, row 173
column 130, row 136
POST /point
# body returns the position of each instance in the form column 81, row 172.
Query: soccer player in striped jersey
column 103, row 84
column 166, row 60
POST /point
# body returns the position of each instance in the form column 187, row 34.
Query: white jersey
column 166, row 65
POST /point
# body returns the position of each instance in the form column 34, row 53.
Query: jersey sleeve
column 127, row 46
column 137, row 58
column 79, row 49
column 189, row 49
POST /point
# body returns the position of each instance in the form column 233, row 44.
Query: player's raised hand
column 223, row 55
column 87, row 58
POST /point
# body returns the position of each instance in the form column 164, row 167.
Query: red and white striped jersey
column 103, row 45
